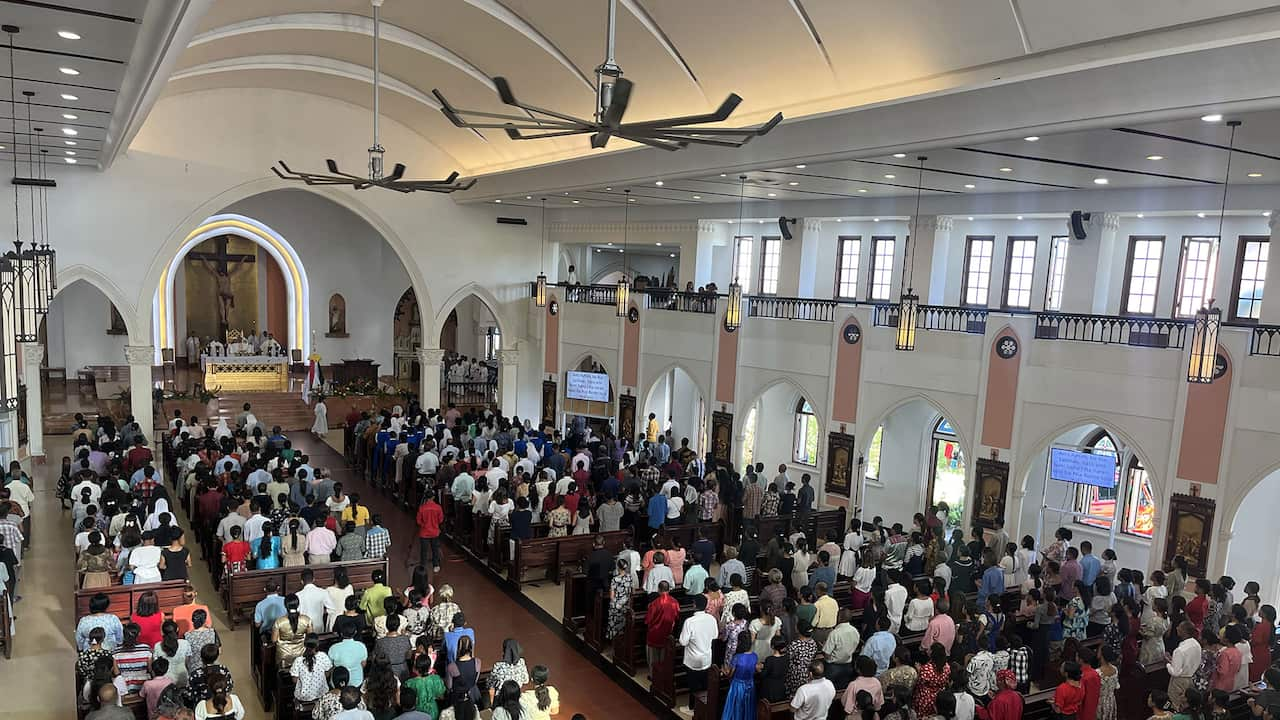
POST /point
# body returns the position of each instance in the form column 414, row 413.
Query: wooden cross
column 220, row 256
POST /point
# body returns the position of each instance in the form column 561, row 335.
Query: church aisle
column 494, row 614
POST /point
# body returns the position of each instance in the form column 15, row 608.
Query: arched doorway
column 1253, row 528
column 1121, row 517
column 471, row 338
column 915, row 458
column 407, row 337
column 679, row 408
column 782, row 427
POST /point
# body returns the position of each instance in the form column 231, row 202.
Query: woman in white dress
column 320, row 427
column 852, row 541
column 222, row 430
column 145, row 560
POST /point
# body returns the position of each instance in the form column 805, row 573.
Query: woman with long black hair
column 294, row 545
column 290, row 632
column 266, row 549
column 174, row 649
column 309, row 671
column 506, row 704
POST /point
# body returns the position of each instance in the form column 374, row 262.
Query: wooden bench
column 766, row 710
column 241, row 592
column 124, row 598
column 556, row 555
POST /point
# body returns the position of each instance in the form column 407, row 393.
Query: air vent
column 512, row 221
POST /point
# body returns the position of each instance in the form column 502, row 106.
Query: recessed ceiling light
column 528, row 197
column 575, row 202
column 1255, row 174
column 1155, row 157
column 793, row 183
column 759, row 222
column 862, row 189
column 1140, row 216
column 566, row 193
column 68, row 35
column 69, row 96
column 732, row 222
column 970, row 218
column 70, row 161
column 1019, row 217
column 631, row 199
column 723, row 175
column 69, row 152
column 697, row 197
column 1031, row 138
column 609, row 244
column 597, row 249
column 658, row 244
column 619, row 249
column 1215, row 117
column 70, row 142
column 889, row 176
column 1006, row 169
column 1200, row 215
column 801, row 167
column 839, row 219
column 69, row 131
column 672, row 255
column 1100, row 181
column 658, row 183
column 68, row 71
column 497, row 201
column 969, row 186
column 773, row 194
column 69, row 116
column 608, row 188
column 1266, row 214
column 875, row 219
column 899, row 155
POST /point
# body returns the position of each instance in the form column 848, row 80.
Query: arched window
column 873, row 454
column 805, row 447
column 749, row 438
column 492, row 342
column 1134, row 486
column 946, row 481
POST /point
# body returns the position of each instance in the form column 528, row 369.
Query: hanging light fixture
column 624, row 283
column 46, row 256
column 1204, row 329
column 39, row 296
column 909, row 302
column 540, row 290
column 613, row 92
column 8, row 275
column 733, row 313
column 394, row 181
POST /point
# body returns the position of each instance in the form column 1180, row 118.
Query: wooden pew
column 556, row 555
column 242, row 591
column 170, row 593
column 766, row 710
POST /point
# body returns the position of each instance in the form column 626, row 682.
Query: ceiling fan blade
column 765, row 128
column 600, row 139
column 659, row 143
column 449, row 111
column 333, row 166
column 612, row 116
column 396, row 173
column 721, row 114
column 504, row 91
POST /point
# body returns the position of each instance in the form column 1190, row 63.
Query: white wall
column 77, row 329
column 904, row 455
column 1254, row 528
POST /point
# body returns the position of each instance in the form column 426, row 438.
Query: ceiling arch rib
column 505, row 15
column 647, row 21
column 346, row 22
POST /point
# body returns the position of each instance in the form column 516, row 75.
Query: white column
column 140, row 359
column 508, row 379
column 32, row 354
column 809, row 238
column 698, row 268
column 1271, row 290
column 429, row 392
column 1093, row 267
column 929, row 276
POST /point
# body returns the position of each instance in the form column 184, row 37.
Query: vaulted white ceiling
column 800, row 57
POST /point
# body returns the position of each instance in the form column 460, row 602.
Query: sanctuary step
column 284, row 409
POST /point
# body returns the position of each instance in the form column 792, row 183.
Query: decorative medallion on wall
column 1007, row 347
column 1220, row 366
column 553, row 307
column 633, row 315
column 851, row 333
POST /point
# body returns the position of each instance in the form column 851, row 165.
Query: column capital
column 706, row 226
column 32, row 355
column 508, row 357
column 812, row 225
column 934, row 223
column 140, row 354
column 430, row 356
column 1273, row 221
column 1105, row 221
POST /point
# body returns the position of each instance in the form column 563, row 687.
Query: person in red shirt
column 1068, row 699
column 235, row 554
column 1091, row 683
column 1006, row 704
column 571, row 500
column 660, row 621
column 137, row 456
column 1199, row 605
column 430, row 516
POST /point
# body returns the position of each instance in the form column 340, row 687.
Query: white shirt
column 863, row 578
column 1185, row 659
column 253, row 527
column 495, row 475
column 966, row 706
column 675, row 506
column 314, row 602
column 1246, row 659
column 657, row 574
column 895, row 602
column 812, row 700
column 696, row 636
column 562, row 485
column 919, row 613
column 427, row 463
column 943, row 571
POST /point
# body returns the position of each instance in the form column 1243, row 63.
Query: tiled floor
column 36, row 684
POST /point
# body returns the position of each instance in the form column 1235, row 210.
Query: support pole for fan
column 609, row 68
column 376, row 152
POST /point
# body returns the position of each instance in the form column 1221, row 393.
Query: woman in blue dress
column 741, row 703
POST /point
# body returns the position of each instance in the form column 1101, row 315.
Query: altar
column 246, row 373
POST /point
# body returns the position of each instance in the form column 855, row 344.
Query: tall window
column 1251, row 274
column 492, row 342
column 946, row 482
column 749, row 437
column 742, row 263
column 847, row 250
column 805, row 448
column 1142, row 275
column 1133, row 485
column 873, row 454
column 1195, row 274
column 770, row 259
column 1019, row 264
column 977, row 270
column 881, row 268
column 1058, row 247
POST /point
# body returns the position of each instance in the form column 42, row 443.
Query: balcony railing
column 592, row 294
column 936, row 317
column 1265, row 340
column 1112, row 330
column 472, row 393
column 680, row 301
column 781, row 308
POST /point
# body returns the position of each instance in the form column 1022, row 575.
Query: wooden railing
column 680, row 301
column 936, row 317
column 1265, row 340
column 472, row 393
column 786, row 308
column 1112, row 330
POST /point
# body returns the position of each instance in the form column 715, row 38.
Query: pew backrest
column 124, row 598
column 242, row 591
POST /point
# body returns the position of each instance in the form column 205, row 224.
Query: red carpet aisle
column 583, row 687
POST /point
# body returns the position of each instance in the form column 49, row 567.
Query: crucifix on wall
column 219, row 264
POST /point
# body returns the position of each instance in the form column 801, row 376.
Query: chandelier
column 395, row 180
column 613, row 93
